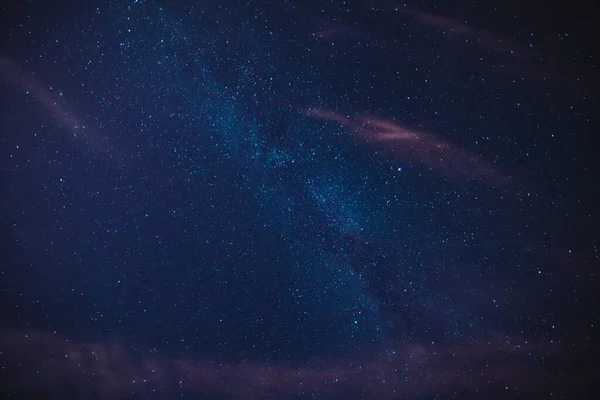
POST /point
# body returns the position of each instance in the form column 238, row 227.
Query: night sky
column 298, row 200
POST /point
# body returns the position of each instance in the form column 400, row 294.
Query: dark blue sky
column 208, row 199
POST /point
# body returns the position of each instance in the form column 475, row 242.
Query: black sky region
column 298, row 200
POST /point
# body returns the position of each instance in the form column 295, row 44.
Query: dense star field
column 298, row 200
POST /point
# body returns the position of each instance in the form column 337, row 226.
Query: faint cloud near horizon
column 43, row 362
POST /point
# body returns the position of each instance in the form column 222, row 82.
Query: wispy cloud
column 37, row 362
column 56, row 108
column 417, row 147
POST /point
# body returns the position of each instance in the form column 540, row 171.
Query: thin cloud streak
column 81, row 131
column 413, row 146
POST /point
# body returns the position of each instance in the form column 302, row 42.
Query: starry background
column 298, row 200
